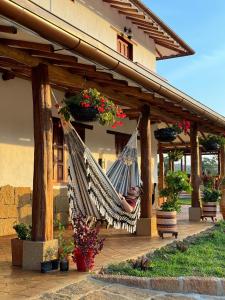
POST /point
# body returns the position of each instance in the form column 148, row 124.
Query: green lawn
column 185, row 201
column 205, row 257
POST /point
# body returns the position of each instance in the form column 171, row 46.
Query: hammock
column 91, row 192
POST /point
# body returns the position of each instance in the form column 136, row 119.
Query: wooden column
column 222, row 161
column 42, row 207
column 161, row 175
column 200, row 162
column 185, row 163
column 145, row 138
column 195, row 165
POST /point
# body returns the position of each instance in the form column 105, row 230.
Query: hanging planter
column 165, row 135
column 175, row 155
column 212, row 142
column 89, row 105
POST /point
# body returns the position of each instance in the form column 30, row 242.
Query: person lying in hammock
column 129, row 202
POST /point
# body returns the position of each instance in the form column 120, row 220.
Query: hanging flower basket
column 165, row 134
column 212, row 142
column 89, row 105
column 175, row 155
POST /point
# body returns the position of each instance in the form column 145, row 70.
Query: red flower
column 101, row 109
column 85, row 96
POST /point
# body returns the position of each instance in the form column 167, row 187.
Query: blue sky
column 201, row 23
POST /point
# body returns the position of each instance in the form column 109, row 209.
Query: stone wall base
column 35, row 252
column 147, row 227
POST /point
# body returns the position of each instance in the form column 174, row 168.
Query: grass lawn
column 204, row 257
column 185, row 201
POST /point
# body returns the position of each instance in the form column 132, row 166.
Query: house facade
column 112, row 45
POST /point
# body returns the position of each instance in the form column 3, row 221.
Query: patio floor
column 18, row 284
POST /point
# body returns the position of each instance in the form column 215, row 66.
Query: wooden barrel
column 222, row 204
column 209, row 209
column 166, row 222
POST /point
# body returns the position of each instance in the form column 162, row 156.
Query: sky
column 200, row 23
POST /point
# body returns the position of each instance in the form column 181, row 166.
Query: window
column 124, row 47
column 60, row 150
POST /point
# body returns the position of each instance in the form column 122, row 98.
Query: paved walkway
column 96, row 290
column 18, row 284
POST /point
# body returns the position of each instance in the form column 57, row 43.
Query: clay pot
column 84, row 262
column 209, row 209
column 167, row 222
column 17, row 252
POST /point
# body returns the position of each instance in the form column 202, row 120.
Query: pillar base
column 35, row 252
column 195, row 214
column 147, row 227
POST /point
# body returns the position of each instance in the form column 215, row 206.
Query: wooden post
column 146, row 226
column 195, row 212
column 185, row 162
column 200, row 162
column 161, row 175
column 219, row 163
column 222, row 161
column 145, row 137
column 42, row 207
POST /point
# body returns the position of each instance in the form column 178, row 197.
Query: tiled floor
column 18, row 284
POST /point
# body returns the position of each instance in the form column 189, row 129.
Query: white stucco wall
column 16, row 135
column 95, row 19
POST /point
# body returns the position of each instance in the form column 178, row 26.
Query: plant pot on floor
column 17, row 252
column 209, row 210
column 55, row 264
column 84, row 262
column 83, row 114
column 166, row 222
column 64, row 265
column 165, row 134
column 46, row 266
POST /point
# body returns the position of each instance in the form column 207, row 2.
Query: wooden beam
column 8, row 29
column 42, row 201
column 222, row 161
column 145, row 136
column 118, row 2
column 27, row 45
column 161, row 175
column 195, row 166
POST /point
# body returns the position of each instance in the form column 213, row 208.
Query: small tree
column 176, row 182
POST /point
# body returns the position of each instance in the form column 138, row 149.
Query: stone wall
column 16, row 207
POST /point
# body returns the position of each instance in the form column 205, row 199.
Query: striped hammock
column 91, row 192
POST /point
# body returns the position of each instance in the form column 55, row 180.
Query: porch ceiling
column 70, row 72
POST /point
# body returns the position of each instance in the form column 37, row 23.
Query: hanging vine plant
column 212, row 142
column 175, row 155
column 90, row 105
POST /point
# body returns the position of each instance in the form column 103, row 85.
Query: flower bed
column 199, row 255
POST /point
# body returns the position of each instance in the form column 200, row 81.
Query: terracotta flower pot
column 167, row 222
column 84, row 262
column 17, row 252
column 222, row 204
column 209, row 210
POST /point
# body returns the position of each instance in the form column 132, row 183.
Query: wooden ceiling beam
column 169, row 46
column 27, row 45
column 124, row 8
column 53, row 56
column 133, row 15
column 8, row 29
column 117, row 2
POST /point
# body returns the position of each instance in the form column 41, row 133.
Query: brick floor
column 18, row 284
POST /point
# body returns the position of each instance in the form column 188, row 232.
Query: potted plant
column 89, row 105
column 49, row 262
column 212, row 142
column 23, row 233
column 175, row 155
column 210, row 198
column 170, row 133
column 66, row 247
column 176, row 182
column 87, row 244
